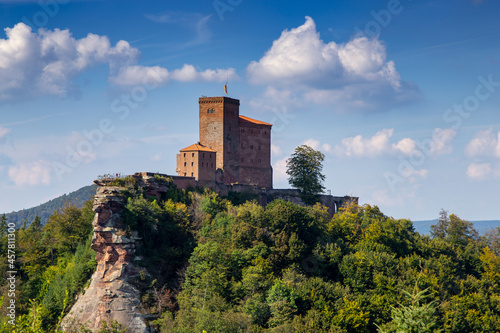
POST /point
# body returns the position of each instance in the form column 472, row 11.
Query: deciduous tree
column 304, row 169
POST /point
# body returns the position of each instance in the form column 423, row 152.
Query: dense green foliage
column 218, row 266
column 53, row 264
column 304, row 171
column 288, row 268
column 43, row 211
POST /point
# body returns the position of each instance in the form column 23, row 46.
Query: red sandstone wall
column 219, row 120
column 187, row 164
column 243, row 147
column 255, row 154
column 184, row 182
column 206, row 166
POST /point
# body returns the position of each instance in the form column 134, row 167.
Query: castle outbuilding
column 232, row 149
column 199, row 162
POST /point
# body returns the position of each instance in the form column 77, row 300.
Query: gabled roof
column 198, row 147
column 254, row 121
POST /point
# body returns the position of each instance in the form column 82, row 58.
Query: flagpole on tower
column 225, row 86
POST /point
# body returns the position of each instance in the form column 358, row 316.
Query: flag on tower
column 225, row 88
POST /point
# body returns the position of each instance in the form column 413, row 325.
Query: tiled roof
column 198, row 147
column 258, row 122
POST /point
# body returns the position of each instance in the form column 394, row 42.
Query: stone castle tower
column 232, row 148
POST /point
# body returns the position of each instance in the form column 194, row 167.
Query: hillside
column 44, row 210
column 170, row 260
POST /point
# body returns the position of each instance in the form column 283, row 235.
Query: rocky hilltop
column 111, row 295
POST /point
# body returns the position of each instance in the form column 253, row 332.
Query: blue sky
column 402, row 97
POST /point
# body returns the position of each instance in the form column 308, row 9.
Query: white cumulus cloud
column 32, row 173
column 406, row 146
column 316, row 145
column 356, row 73
column 379, row 144
column 441, row 141
column 47, row 61
column 279, row 170
column 276, row 150
column 479, row 171
column 484, row 143
column 189, row 73
column 132, row 75
column 358, row 146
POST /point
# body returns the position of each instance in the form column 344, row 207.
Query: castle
column 234, row 155
column 232, row 149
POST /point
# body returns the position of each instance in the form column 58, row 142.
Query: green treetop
column 304, row 170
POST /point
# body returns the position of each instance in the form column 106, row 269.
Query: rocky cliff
column 111, row 295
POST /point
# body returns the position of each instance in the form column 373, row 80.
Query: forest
column 229, row 265
column 43, row 211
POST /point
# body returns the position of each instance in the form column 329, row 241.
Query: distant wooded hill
column 424, row 227
column 78, row 198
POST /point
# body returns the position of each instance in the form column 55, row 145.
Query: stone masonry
column 242, row 146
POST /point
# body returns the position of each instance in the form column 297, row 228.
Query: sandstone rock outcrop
column 111, row 295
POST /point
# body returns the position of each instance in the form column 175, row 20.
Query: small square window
column 185, row 174
column 251, row 146
column 192, row 163
column 184, row 154
column 259, row 147
column 185, row 163
column 192, row 155
column 192, row 174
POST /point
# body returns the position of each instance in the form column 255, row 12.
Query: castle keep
column 232, row 149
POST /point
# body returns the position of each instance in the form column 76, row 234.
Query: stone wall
column 255, row 154
column 267, row 195
column 243, row 145
column 219, row 130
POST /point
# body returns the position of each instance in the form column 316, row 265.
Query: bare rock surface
column 110, row 295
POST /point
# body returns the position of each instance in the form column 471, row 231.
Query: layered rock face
column 110, row 295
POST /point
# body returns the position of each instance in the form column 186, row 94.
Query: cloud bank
column 32, row 173
column 355, row 74
column 484, row 143
column 379, row 144
column 484, row 146
column 46, row 62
